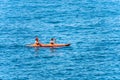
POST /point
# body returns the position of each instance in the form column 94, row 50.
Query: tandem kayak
column 48, row 45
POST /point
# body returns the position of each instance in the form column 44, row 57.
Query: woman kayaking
column 37, row 41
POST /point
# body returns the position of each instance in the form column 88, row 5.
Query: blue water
column 91, row 26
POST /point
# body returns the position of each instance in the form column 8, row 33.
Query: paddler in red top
column 37, row 41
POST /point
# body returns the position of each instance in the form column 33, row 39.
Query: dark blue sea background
column 92, row 27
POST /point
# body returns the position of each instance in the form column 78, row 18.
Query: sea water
column 92, row 27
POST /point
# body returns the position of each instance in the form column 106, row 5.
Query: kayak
column 48, row 45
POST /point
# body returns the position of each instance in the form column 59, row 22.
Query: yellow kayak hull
column 48, row 45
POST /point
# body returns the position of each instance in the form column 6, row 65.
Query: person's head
column 52, row 38
column 36, row 38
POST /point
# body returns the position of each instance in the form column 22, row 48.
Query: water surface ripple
column 92, row 27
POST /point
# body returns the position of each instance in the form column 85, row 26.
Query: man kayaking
column 52, row 41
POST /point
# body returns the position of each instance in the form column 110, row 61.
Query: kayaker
column 52, row 41
column 37, row 41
